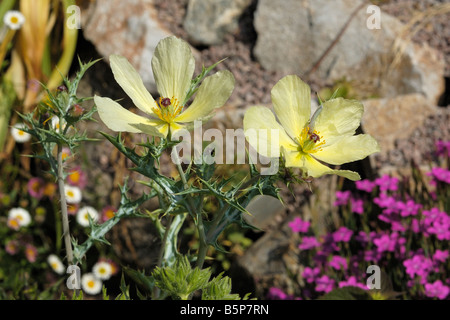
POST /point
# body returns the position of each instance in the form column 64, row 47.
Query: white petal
column 130, row 81
column 173, row 66
column 214, row 91
column 117, row 118
column 264, row 133
column 291, row 98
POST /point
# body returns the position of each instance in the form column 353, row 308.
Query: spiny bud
column 76, row 110
column 62, row 88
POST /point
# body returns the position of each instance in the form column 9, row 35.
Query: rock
column 207, row 21
column 129, row 28
column 392, row 119
column 293, row 35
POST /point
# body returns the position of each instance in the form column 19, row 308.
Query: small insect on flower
column 84, row 213
column 102, row 270
column 18, row 217
column 90, row 284
column 18, row 134
column 73, row 194
column 14, row 19
column 56, row 264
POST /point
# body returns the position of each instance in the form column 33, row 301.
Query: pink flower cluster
column 390, row 228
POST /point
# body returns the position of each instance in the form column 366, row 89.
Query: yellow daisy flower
column 173, row 67
column 328, row 137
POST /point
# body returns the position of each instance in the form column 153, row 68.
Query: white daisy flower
column 56, row 264
column 55, row 123
column 102, row 270
column 14, row 19
column 18, row 134
column 90, row 284
column 21, row 215
column 73, row 194
column 83, row 215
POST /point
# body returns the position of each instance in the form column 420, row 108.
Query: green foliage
column 128, row 208
column 61, row 106
column 181, row 281
column 347, row 293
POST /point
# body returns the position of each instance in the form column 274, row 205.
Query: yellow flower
column 328, row 137
column 173, row 67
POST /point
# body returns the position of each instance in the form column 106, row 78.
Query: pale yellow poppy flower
column 328, row 137
column 173, row 67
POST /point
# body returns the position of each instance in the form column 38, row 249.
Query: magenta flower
column 385, row 243
column 357, row 205
column 351, row 282
column 36, row 187
column 365, row 185
column 278, row 294
column 418, row 265
column 308, row 243
column 440, row 227
column 342, row 198
column 440, row 255
column 310, row 274
column 342, row 234
column 386, row 202
column 443, row 148
column 324, row 284
column 410, row 208
column 338, row 263
column 387, row 183
column 372, row 255
column 298, row 225
column 440, row 174
column 432, row 215
column 437, row 290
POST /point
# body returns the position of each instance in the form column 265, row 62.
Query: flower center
column 91, row 283
column 168, row 109
column 74, row 176
column 310, row 141
column 14, row 20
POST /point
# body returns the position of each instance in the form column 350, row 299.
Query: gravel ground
column 253, row 83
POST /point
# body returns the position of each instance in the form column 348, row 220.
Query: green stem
column 203, row 246
column 224, row 209
column 64, row 214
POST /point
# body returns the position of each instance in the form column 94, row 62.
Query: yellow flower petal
column 214, row 91
column 130, row 81
column 348, row 149
column 117, row 118
column 339, row 117
column 291, row 98
column 264, row 133
column 153, row 127
column 314, row 168
column 173, row 66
